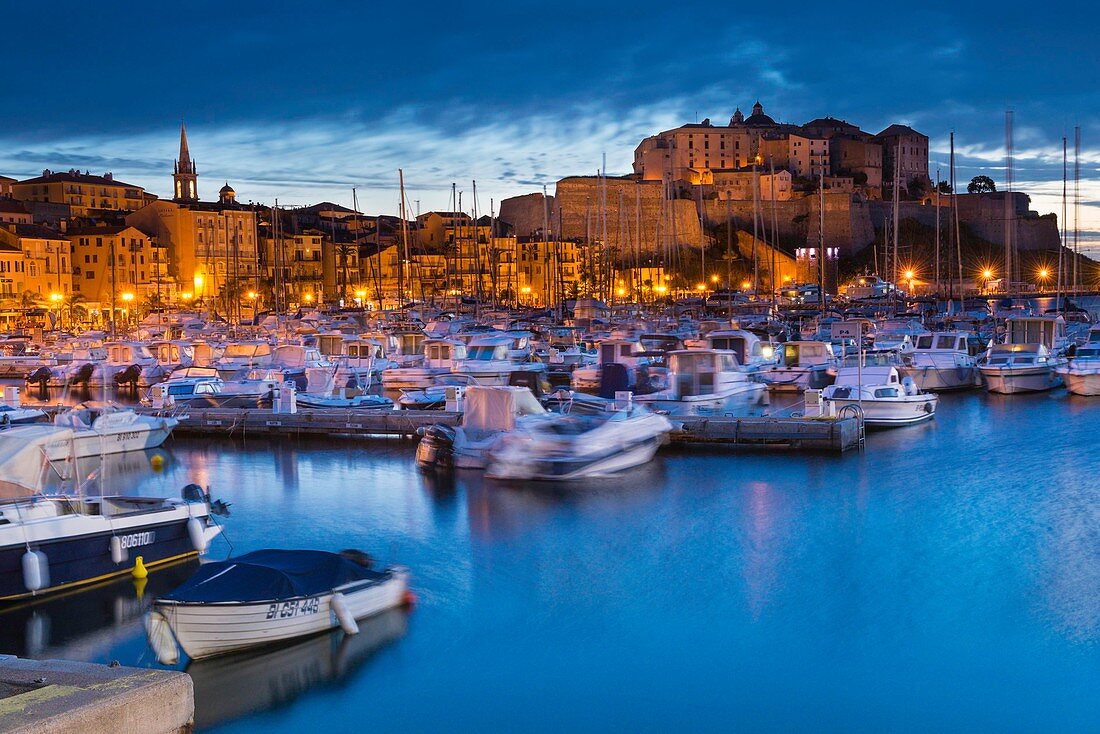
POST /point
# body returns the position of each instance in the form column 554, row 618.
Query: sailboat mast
column 897, row 202
column 401, row 255
column 955, row 216
column 821, row 240
column 1076, row 205
column 1065, row 231
column 775, row 230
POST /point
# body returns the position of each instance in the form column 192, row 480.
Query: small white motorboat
column 879, row 391
column 489, row 412
column 941, row 361
column 556, row 447
column 1018, row 368
column 801, row 365
column 269, row 596
column 1082, row 373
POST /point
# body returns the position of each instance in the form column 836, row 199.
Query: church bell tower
column 185, row 177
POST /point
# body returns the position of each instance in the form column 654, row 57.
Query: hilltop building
column 212, row 247
column 86, row 194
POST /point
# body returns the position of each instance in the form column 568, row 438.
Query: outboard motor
column 436, row 449
column 129, row 376
column 40, row 377
column 83, row 375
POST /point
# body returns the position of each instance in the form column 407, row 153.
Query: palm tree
column 77, row 311
column 30, row 299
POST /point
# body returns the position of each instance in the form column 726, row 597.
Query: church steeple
column 185, row 177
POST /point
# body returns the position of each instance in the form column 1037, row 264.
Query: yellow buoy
column 139, row 571
column 157, row 462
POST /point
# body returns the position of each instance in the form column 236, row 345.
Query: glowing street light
column 127, row 297
column 714, row 279
column 1044, row 275
column 309, row 298
column 745, row 285
column 186, row 296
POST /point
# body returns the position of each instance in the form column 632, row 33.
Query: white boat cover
column 23, row 465
column 491, row 408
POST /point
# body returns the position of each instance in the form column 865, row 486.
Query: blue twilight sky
column 303, row 101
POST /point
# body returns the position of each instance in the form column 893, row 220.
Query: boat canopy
column 23, row 452
column 270, row 575
column 491, row 408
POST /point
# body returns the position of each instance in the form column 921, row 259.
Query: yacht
column 885, row 397
column 753, row 354
column 489, row 413
column 492, row 359
column 440, row 356
column 92, row 429
column 555, row 447
column 243, row 355
column 1029, row 358
column 941, row 361
column 643, row 373
column 1016, row 368
column 801, row 365
column 702, row 382
column 1082, row 373
column 56, row 542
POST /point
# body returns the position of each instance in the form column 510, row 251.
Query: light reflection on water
column 947, row 579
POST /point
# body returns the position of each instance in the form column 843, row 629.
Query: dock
column 63, row 697
column 815, row 434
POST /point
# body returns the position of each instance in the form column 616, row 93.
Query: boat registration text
column 296, row 608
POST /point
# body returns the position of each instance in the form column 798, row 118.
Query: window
column 89, row 275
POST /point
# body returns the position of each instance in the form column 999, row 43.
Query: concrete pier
column 820, row 434
column 63, row 697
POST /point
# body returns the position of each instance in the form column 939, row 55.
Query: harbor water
column 947, row 579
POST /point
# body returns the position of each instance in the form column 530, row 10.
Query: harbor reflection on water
column 948, row 578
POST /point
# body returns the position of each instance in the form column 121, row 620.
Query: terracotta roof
column 77, row 177
column 12, row 205
column 35, row 231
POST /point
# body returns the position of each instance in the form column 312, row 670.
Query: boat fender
column 197, row 533
column 161, row 639
column 343, row 614
column 36, row 570
column 118, row 553
column 928, row 407
column 139, row 571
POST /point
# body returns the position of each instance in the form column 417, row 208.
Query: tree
column 981, row 185
column 945, row 187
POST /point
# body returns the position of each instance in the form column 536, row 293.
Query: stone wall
column 850, row 223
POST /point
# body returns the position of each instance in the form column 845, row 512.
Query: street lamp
column 1044, row 274
column 987, row 275
column 909, row 275
column 57, row 298
column 127, row 298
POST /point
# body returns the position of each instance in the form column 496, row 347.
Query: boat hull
column 577, row 467
column 1082, row 383
column 1013, row 381
column 889, row 413
column 942, row 379
column 207, row 629
column 744, row 395
column 85, row 558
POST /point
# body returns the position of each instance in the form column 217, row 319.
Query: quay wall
column 850, row 221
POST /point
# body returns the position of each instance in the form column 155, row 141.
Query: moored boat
column 269, row 596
